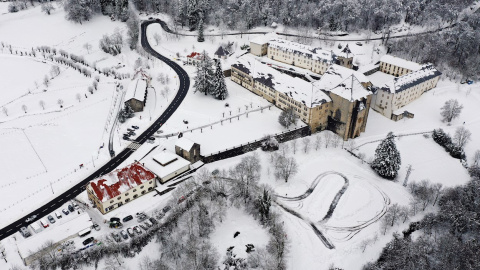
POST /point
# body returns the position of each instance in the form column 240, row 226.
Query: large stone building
column 397, row 66
column 120, row 187
column 392, row 96
column 341, row 107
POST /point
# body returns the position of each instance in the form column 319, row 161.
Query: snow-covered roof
column 120, row 181
column 335, row 74
column 399, row 62
column 184, row 143
column 56, row 234
column 366, row 68
column 298, row 48
column 136, row 89
column 425, row 73
column 346, row 52
column 264, row 38
column 221, row 51
column 165, row 163
column 295, row 88
column 350, row 89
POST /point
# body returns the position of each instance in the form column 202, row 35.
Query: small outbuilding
column 187, row 149
column 136, row 95
column 166, row 165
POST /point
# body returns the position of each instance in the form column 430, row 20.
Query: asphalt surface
column 57, row 202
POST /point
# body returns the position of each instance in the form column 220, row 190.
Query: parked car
column 51, row 219
column 132, row 134
column 124, row 234
column 143, row 226
column 166, row 209
column 129, row 130
column 96, row 227
column 44, row 223
column 151, row 138
column 75, row 205
column 116, row 236
column 148, row 223
column 181, row 199
column 70, row 208
column 113, row 219
column 127, row 218
column 359, row 43
column 130, row 232
column 65, row 211
column 153, row 221
column 58, row 215
column 87, row 241
column 135, row 127
column 160, row 215
column 31, row 218
column 141, row 217
column 137, row 230
column 126, row 138
column 25, row 232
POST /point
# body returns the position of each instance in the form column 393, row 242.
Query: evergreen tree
column 287, row 118
column 387, row 158
column 219, row 88
column 133, row 25
column 203, row 78
column 200, row 31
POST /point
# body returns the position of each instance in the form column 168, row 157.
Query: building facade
column 397, row 66
column 187, row 149
column 136, row 95
column 120, row 187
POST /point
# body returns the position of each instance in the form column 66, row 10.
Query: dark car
column 65, row 211
column 87, row 241
column 70, row 208
column 126, row 138
column 127, row 218
column 116, row 237
column 129, row 129
column 114, row 219
column 151, row 138
column 132, row 133
column 51, row 219
column 144, row 227
column 359, row 44
column 166, row 209
column 154, row 221
column 124, row 234
column 160, row 215
column 135, row 127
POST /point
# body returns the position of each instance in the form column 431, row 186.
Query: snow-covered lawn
column 251, row 232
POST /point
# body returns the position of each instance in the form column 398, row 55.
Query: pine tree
column 203, row 78
column 219, row 88
column 387, row 158
column 200, row 38
column 287, row 118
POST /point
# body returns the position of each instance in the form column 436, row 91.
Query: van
column 24, row 232
column 35, row 227
column 44, row 223
column 58, row 215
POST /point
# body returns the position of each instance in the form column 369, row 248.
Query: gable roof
column 350, row 89
column 121, row 180
column 184, row 143
column 425, row 73
column 346, row 52
column 305, row 50
column 137, row 90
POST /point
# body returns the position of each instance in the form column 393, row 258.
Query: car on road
column 65, row 211
column 166, row 209
column 124, row 234
column 96, row 227
column 25, row 232
column 87, row 241
column 135, row 127
column 137, row 230
column 127, row 218
column 31, row 218
column 51, row 219
column 151, row 138
column 130, row 232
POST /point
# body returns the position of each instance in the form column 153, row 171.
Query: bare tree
column 306, row 144
column 161, row 78
column 318, row 141
column 437, row 191
column 79, row 97
column 5, row 110
column 24, row 108
column 450, row 110
column 95, row 85
column 462, row 136
column 476, row 158
column 46, row 81
column 47, row 7
column 157, row 38
column 328, row 138
column 60, row 102
column 55, row 71
column 42, row 104
column 335, row 140
column 414, row 206
column 87, row 46
column 385, row 222
column 247, row 173
column 351, row 145
column 294, row 146
column 90, row 89
column 403, row 213
column 393, row 210
column 285, row 167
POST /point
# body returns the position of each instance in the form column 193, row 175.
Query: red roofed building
column 194, row 58
column 120, row 186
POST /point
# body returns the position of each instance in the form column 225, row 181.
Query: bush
column 443, row 139
column 13, row 7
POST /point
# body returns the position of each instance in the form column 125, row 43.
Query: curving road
column 71, row 193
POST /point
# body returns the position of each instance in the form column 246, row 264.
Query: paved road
column 123, row 155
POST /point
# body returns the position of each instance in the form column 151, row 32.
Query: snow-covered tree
column 78, row 10
column 285, row 167
column 451, row 110
column 219, row 88
column 203, row 77
column 287, row 118
column 133, row 25
column 47, row 7
column 461, row 137
column 387, row 158
column 200, row 37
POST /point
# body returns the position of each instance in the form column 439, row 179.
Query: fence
column 251, row 146
column 399, row 135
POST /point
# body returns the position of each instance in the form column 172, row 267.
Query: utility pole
column 409, row 170
column 51, row 187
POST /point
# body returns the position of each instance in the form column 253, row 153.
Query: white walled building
column 166, row 165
